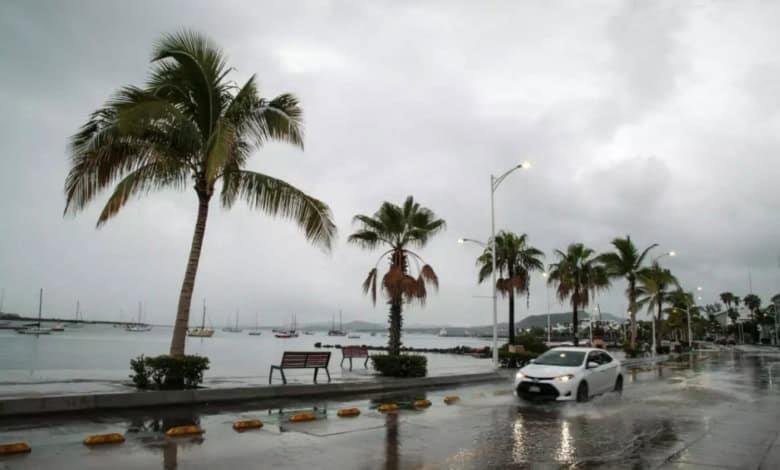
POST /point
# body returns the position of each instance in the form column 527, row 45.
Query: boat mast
column 40, row 306
column 78, row 307
column 341, row 323
column 203, row 322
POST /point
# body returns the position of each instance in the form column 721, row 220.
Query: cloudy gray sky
column 655, row 119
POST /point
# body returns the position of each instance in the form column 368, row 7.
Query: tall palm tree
column 189, row 125
column 655, row 283
column 626, row 262
column 576, row 276
column 727, row 298
column 516, row 259
column 753, row 303
column 398, row 228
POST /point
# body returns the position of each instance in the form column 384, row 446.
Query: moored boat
column 202, row 331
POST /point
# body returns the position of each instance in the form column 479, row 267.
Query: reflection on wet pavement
column 685, row 412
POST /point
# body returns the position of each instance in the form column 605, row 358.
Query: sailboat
column 79, row 322
column 139, row 327
column 333, row 331
column 233, row 329
column 256, row 331
column 36, row 330
column 202, row 331
column 290, row 333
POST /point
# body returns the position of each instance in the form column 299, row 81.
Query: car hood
column 534, row 370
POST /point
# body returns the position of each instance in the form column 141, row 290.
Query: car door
column 595, row 377
column 608, row 371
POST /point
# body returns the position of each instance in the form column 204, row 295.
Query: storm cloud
column 654, row 119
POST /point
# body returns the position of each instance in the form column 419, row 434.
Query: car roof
column 572, row 349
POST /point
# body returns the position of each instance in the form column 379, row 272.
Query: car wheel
column 582, row 392
column 619, row 384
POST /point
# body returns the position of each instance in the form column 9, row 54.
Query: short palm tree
column 398, row 228
column 515, row 261
column 680, row 302
column 189, row 126
column 626, row 262
column 577, row 276
column 655, row 284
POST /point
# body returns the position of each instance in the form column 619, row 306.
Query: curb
column 644, row 360
column 115, row 401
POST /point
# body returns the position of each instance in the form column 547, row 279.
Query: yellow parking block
column 98, row 439
column 422, row 403
column 301, row 417
column 387, row 407
column 14, row 448
column 451, row 399
column 348, row 412
column 177, row 431
column 242, row 426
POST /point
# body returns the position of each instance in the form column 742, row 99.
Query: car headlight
column 520, row 376
column 564, row 378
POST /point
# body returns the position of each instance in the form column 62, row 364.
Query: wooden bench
column 302, row 360
column 348, row 352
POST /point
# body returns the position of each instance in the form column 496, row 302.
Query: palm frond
column 156, row 175
column 428, row 275
column 369, row 285
column 278, row 198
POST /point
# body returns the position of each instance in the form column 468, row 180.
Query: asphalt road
column 719, row 410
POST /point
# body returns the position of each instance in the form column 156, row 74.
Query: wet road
column 719, row 410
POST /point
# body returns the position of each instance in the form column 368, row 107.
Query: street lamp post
column 495, row 182
column 545, row 275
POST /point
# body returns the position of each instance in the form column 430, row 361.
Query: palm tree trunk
column 632, row 310
column 185, row 296
column 575, row 324
column 394, row 340
column 511, row 307
column 658, row 327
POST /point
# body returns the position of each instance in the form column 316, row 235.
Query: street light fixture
column 671, row 254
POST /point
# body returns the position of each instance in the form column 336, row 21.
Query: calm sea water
column 96, row 357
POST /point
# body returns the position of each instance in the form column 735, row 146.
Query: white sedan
column 569, row 374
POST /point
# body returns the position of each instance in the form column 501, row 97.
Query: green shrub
column 514, row 360
column 405, row 365
column 631, row 352
column 168, row 372
column 141, row 374
column 531, row 342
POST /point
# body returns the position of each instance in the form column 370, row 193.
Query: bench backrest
column 354, row 351
column 304, row 360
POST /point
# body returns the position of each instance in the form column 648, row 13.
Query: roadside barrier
column 348, row 412
column 14, row 448
column 178, row 431
column 99, row 439
column 422, row 403
column 245, row 425
column 301, row 417
column 387, row 407
column 451, row 399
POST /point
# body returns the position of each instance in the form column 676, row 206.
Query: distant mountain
column 540, row 321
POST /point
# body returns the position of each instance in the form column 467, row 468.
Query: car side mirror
column 592, row 365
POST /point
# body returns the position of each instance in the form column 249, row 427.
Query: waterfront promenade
column 718, row 410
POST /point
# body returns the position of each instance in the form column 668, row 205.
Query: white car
column 569, row 374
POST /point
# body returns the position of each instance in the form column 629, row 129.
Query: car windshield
column 561, row 358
